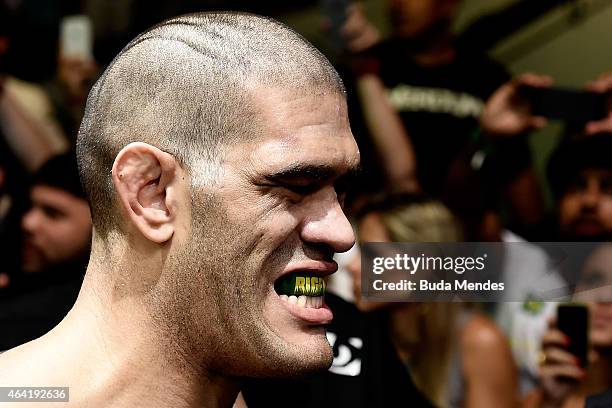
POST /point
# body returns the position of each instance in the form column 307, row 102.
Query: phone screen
column 335, row 11
column 76, row 37
column 573, row 321
column 566, row 104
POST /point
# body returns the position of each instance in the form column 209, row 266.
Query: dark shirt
column 603, row 400
column 35, row 303
column 440, row 107
column 366, row 371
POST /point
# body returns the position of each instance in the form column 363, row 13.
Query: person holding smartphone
column 566, row 379
column 436, row 121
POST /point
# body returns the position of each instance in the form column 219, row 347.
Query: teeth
column 314, row 302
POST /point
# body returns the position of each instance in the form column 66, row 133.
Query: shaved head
column 187, row 87
column 197, row 153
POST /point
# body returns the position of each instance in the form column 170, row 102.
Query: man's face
column 57, row 229
column 595, row 290
column 416, row 18
column 585, row 210
column 275, row 214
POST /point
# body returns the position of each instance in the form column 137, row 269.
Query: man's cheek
column 285, row 219
column 606, row 212
column 567, row 211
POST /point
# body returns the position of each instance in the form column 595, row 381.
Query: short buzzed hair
column 182, row 87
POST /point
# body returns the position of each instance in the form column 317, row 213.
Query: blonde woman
column 564, row 381
column 456, row 357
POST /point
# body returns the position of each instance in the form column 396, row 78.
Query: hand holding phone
column 566, row 104
column 506, row 113
column 348, row 29
column 564, row 355
column 602, row 85
column 335, row 11
column 573, row 322
column 76, row 37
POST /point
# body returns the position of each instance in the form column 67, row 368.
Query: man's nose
column 325, row 223
column 591, row 195
column 30, row 221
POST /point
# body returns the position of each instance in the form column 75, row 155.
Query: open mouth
column 303, row 289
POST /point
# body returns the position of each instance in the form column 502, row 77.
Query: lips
column 587, row 226
column 29, row 251
column 313, row 316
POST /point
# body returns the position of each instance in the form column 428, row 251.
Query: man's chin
column 31, row 265
column 31, row 258
column 297, row 351
column 306, row 359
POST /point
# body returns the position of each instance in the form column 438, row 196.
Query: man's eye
column 577, row 186
column 302, row 189
column 593, row 279
column 606, row 186
column 51, row 212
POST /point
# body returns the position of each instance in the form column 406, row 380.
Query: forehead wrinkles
column 275, row 154
column 294, row 127
column 282, row 111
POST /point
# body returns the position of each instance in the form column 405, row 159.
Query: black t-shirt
column 603, row 400
column 440, row 106
column 366, row 371
column 35, row 303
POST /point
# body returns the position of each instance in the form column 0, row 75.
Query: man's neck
column 431, row 51
column 439, row 54
column 108, row 360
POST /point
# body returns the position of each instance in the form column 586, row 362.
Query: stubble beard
column 214, row 308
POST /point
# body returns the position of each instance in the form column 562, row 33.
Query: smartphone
column 567, row 104
column 335, row 11
column 76, row 37
column 573, row 321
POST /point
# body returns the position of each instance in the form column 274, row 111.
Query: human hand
column 507, row 114
column 357, row 31
column 4, row 280
column 560, row 371
column 74, row 73
column 603, row 84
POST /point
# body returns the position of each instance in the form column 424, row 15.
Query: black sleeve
column 509, row 157
column 603, row 400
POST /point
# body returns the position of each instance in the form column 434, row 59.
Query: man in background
column 427, row 101
column 56, row 234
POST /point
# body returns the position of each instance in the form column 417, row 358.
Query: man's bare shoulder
column 22, row 365
column 39, row 363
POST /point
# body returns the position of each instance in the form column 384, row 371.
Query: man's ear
column 146, row 181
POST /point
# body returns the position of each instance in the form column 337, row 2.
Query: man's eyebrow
column 320, row 173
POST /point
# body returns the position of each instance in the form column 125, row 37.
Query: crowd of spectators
column 442, row 130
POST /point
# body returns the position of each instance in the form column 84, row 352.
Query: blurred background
column 453, row 148
column 562, row 38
